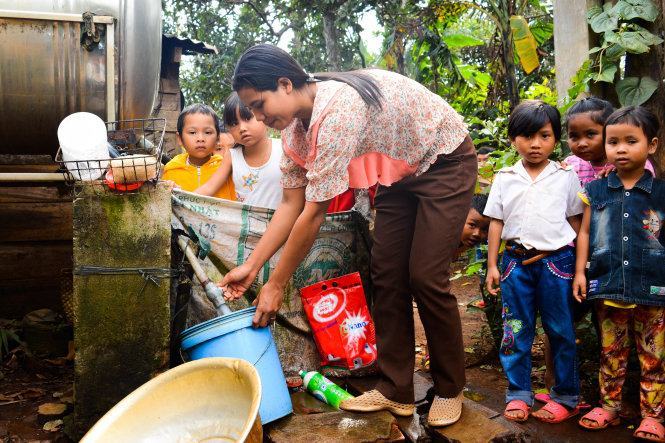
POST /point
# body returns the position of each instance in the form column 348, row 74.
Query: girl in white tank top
column 254, row 161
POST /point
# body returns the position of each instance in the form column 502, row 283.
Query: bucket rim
column 187, row 337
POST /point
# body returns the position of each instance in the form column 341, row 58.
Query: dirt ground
column 27, row 382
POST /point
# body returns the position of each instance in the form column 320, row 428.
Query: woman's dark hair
column 232, row 104
column 636, row 116
column 261, row 66
column 598, row 109
column 198, row 108
column 478, row 202
column 530, row 116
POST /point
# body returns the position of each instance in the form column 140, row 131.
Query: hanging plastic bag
column 343, row 329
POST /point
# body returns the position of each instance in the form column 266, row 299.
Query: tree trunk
column 652, row 64
column 331, row 36
column 509, row 63
column 503, row 10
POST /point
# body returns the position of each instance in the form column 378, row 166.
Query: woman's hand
column 579, row 287
column 492, row 281
column 267, row 304
column 237, row 281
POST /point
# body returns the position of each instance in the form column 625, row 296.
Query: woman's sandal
column 545, row 398
column 517, row 405
column 601, row 417
column 559, row 412
column 651, row 426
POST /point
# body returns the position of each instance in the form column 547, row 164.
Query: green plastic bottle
column 324, row 389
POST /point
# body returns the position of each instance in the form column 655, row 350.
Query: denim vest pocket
column 653, row 274
column 600, row 266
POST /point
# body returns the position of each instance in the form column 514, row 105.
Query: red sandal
column 517, row 405
column 544, row 398
column 559, row 412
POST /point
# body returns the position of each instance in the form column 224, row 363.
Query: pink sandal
column 545, row 398
column 559, row 412
column 601, row 417
column 517, row 405
column 651, row 426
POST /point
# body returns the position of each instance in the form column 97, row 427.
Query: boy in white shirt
column 534, row 207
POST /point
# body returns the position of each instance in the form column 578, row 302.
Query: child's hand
column 492, row 281
column 606, row 171
column 171, row 184
column 579, row 287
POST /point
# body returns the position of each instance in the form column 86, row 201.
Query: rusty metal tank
column 63, row 56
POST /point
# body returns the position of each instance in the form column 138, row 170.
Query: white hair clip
column 310, row 77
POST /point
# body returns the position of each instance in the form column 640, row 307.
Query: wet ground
column 27, row 382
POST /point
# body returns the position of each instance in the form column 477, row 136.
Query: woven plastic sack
column 234, row 229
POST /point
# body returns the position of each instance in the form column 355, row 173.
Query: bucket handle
column 264, row 351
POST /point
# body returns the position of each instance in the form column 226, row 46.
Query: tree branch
column 262, row 16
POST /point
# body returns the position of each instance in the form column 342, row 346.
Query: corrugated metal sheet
column 189, row 46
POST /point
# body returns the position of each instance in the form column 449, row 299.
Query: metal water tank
column 64, row 56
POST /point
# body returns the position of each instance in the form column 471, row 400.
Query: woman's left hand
column 267, row 304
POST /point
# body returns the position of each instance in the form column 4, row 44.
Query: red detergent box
column 342, row 326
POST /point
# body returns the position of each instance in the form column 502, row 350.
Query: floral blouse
column 352, row 145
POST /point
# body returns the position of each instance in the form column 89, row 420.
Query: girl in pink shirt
column 585, row 121
column 354, row 130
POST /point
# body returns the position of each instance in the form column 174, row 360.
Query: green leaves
column 542, row 31
column 603, row 19
column 606, row 18
column 620, row 35
column 457, row 41
column 634, row 91
column 635, row 41
column 642, row 9
column 606, row 74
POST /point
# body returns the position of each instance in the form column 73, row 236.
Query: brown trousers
column 418, row 227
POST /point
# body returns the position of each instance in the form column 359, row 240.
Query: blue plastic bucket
column 232, row 335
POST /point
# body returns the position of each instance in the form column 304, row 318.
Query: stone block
column 479, row 424
column 122, row 328
column 305, row 403
column 333, row 427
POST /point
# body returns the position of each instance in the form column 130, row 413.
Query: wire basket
column 134, row 162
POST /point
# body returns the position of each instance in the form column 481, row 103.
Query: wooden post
column 571, row 40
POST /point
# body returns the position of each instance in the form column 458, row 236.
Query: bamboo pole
column 31, row 177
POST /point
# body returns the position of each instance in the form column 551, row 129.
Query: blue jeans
column 544, row 287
